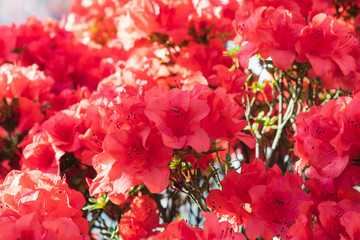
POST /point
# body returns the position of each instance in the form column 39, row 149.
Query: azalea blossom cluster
column 36, row 205
column 271, row 205
column 306, row 31
column 141, row 139
column 327, row 138
column 131, row 111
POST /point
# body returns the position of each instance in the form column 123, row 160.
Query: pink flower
column 274, row 31
column 278, row 33
column 177, row 115
column 7, row 43
column 63, row 129
column 140, row 220
column 327, row 44
column 224, row 120
column 40, row 206
column 275, row 206
column 131, row 157
column 41, row 154
column 332, row 224
column 213, row 229
column 233, row 81
column 178, row 230
column 232, row 203
column 29, row 112
column 349, row 140
column 316, row 136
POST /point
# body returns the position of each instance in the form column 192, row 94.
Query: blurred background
column 17, row 11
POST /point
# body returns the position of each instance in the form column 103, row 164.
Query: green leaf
column 100, row 202
column 92, row 200
column 175, row 161
column 228, row 157
column 183, row 166
column 88, row 207
column 260, row 115
column 267, row 122
column 273, row 120
column 19, row 50
column 134, row 190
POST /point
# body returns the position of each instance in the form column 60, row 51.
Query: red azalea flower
column 233, row 81
column 41, row 154
column 302, row 228
column 232, row 201
column 351, row 221
column 62, row 127
column 178, row 230
column 26, row 82
column 130, row 112
column 334, row 189
column 203, row 162
column 30, row 114
column 177, row 115
column 275, row 207
column 215, row 230
column 271, row 28
column 224, row 120
column 7, row 43
column 330, row 215
column 277, row 34
column 92, row 139
column 316, row 138
column 274, row 32
column 245, row 53
column 34, row 205
column 326, row 43
column 349, row 139
column 140, row 220
column 131, row 157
